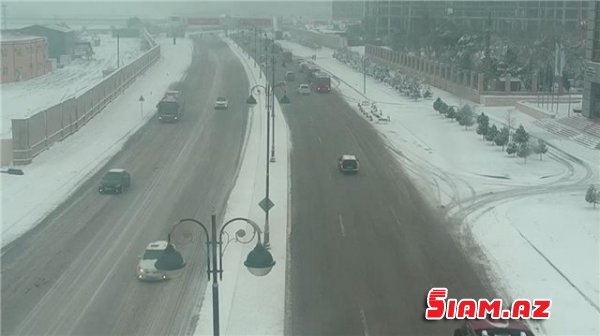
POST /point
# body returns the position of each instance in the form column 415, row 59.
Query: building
column 61, row 39
column 591, row 87
column 383, row 18
column 347, row 11
column 23, row 57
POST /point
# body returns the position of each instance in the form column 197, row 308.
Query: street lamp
column 364, row 65
column 270, row 107
column 259, row 261
column 12, row 171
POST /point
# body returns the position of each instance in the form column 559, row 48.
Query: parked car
column 493, row 328
column 290, row 76
column 146, row 269
column 348, row 163
column 115, row 181
column 304, row 89
column 221, row 103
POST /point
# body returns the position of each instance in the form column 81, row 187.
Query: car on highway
column 304, row 89
column 348, row 163
column 290, row 76
column 493, row 328
column 221, row 103
column 146, row 269
column 115, row 181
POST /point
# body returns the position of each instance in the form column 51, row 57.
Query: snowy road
column 469, row 180
column 75, row 272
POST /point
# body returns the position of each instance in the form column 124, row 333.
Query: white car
column 146, row 269
column 304, row 89
column 221, row 103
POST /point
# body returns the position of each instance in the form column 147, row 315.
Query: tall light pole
column 272, row 103
column 266, row 203
column 259, row 261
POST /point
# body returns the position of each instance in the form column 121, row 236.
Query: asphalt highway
column 75, row 273
column 365, row 248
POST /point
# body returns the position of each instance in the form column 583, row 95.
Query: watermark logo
column 439, row 307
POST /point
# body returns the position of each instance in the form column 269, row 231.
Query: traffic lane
column 206, row 188
column 206, row 145
column 389, row 249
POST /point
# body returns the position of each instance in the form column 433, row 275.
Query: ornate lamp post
column 259, row 261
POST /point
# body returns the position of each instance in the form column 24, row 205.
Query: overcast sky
column 52, row 10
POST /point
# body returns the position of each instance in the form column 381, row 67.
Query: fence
column 32, row 135
column 464, row 83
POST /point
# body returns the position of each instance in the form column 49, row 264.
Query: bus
column 320, row 82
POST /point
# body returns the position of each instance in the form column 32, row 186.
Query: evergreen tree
column 521, row 136
column 465, row 116
column 592, row 196
column 443, row 108
column 501, row 138
column 524, row 151
column 492, row 133
column 451, row 113
column 483, row 124
column 511, row 148
column 437, row 104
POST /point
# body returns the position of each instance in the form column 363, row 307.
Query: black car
column 348, row 164
column 115, row 181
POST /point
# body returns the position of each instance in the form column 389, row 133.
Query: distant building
column 23, row 57
column 347, row 11
column 61, row 39
column 591, row 87
column 386, row 17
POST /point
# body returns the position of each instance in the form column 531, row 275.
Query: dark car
column 348, row 164
column 115, row 181
column 494, row 328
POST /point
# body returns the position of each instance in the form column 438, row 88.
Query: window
column 4, row 71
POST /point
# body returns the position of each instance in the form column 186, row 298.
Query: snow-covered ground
column 58, row 171
column 539, row 237
column 25, row 98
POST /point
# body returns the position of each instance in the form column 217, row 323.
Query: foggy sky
column 81, row 9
